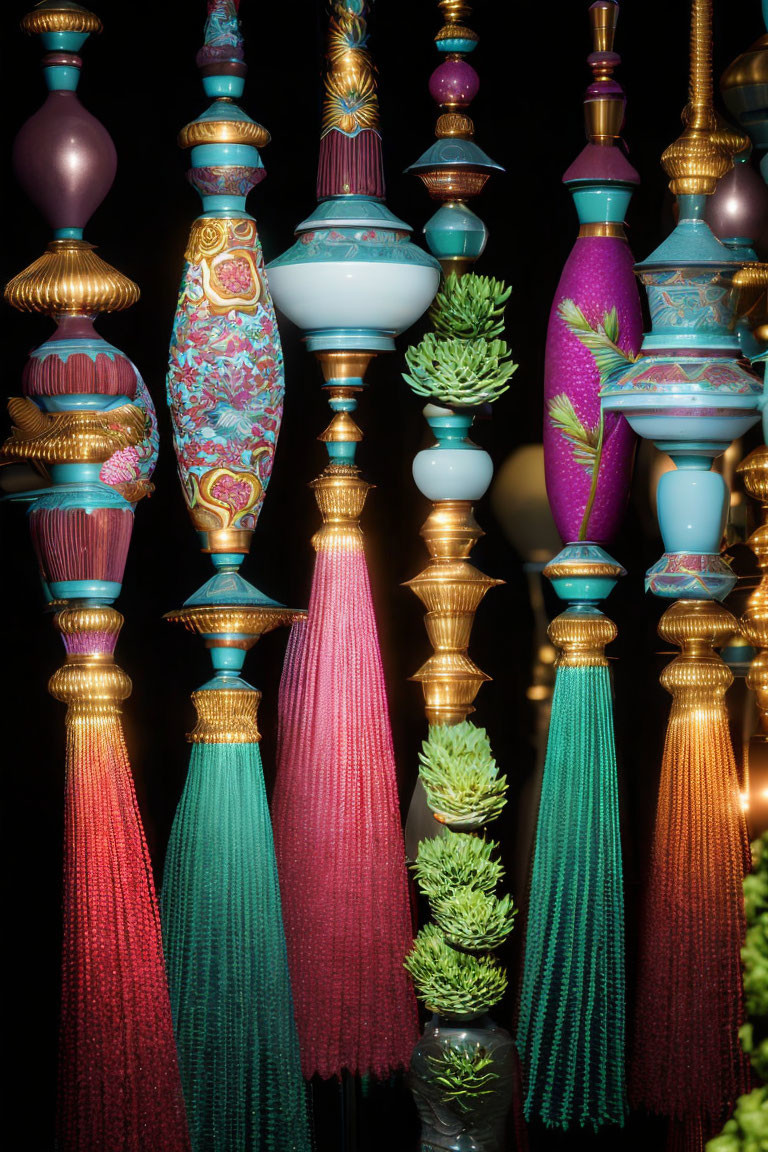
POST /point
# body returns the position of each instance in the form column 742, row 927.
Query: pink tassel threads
column 338, row 836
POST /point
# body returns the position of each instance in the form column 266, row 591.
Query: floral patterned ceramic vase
column 225, row 378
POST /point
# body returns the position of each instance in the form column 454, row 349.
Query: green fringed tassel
column 571, row 1027
column 227, row 964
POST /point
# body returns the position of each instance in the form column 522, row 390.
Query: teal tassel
column 227, row 964
column 571, row 1027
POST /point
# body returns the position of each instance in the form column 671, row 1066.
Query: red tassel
column 72, row 544
column 119, row 1085
column 338, row 836
column 350, row 165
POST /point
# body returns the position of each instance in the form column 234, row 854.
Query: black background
column 139, row 79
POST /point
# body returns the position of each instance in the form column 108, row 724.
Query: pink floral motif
column 235, row 276
column 235, row 493
column 122, row 467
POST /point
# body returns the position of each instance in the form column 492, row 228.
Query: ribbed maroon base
column 73, row 544
column 53, row 376
column 350, row 165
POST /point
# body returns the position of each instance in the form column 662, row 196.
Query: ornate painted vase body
column 596, row 321
column 692, row 394
column 225, row 381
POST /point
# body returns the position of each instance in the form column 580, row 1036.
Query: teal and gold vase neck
column 455, row 169
column 583, row 575
column 224, row 140
column 601, row 179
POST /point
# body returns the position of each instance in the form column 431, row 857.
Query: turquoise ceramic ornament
column 691, row 393
column 225, row 378
column 453, row 468
column 353, row 280
column 455, row 169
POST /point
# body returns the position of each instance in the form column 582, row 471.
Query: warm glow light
column 547, row 654
column 537, row 692
column 745, row 801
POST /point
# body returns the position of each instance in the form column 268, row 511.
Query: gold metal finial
column 246, row 624
column 603, row 16
column 70, row 279
column 60, row 16
column 340, row 492
column 226, row 716
column 754, row 622
column 90, row 683
column 76, row 437
column 451, row 589
column 455, row 11
column 729, row 138
column 581, row 639
column 698, row 677
column 696, row 160
column 223, row 131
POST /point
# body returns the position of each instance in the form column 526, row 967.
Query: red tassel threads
column 119, row 1086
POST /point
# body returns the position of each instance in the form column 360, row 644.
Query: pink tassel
column 350, row 165
column 338, row 836
column 72, row 544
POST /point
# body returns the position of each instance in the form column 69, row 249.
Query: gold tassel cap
column 226, row 716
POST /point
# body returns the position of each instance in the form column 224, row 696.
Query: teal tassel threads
column 571, row 1030
column 225, row 946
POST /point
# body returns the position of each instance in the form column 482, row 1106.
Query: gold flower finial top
column 697, row 159
column 351, row 101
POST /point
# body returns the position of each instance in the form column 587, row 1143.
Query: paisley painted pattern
column 368, row 245
column 598, row 277
column 689, row 302
column 225, row 379
column 693, row 374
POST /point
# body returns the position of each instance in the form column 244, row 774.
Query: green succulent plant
column 474, row 920
column 470, row 306
column 461, row 373
column 450, row 982
column 465, row 1073
column 456, row 859
column 460, row 776
column 747, row 1130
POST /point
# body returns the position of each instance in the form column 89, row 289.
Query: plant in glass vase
column 462, row 1071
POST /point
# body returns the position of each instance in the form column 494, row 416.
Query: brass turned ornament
column 698, row 678
column 754, row 622
column 451, row 589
